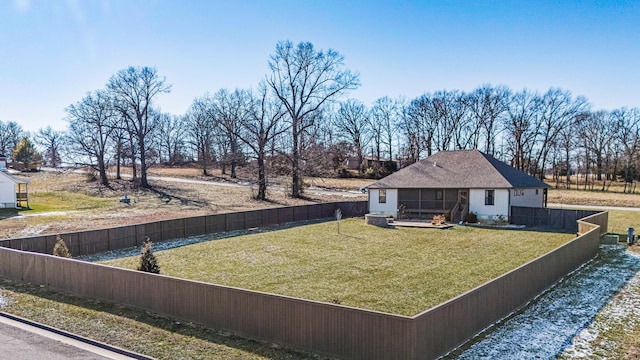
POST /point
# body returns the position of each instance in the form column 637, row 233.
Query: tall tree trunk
column 143, row 165
column 118, row 159
column 102, row 171
column 296, row 178
column 262, row 179
column 234, row 160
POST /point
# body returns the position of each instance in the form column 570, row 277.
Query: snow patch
column 33, row 230
column 560, row 319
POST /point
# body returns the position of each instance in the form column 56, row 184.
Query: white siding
column 529, row 198
column 7, row 192
column 390, row 208
column 497, row 212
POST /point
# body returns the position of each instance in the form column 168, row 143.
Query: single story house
column 13, row 192
column 456, row 182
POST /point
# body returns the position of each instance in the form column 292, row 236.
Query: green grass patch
column 66, row 201
column 133, row 329
column 401, row 271
column 620, row 220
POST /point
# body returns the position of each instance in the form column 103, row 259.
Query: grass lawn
column 401, row 271
column 66, row 201
column 620, row 220
column 133, row 329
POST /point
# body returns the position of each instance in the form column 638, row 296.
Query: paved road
column 19, row 341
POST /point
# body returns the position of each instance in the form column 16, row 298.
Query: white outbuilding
column 13, row 192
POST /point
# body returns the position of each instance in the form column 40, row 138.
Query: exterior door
column 463, row 198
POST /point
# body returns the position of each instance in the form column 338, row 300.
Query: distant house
column 3, row 162
column 456, row 182
column 367, row 162
column 13, row 192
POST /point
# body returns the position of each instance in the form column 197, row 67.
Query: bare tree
column 384, row 122
column 92, row 120
column 419, row 126
column 628, row 123
column 557, row 111
column 260, row 129
column 229, row 110
column 486, row 106
column 119, row 137
column 352, row 122
column 51, row 141
column 200, row 132
column 170, row 138
column 134, row 90
column 520, row 129
column 304, row 79
column 598, row 130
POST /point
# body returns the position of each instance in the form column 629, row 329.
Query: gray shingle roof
column 471, row 169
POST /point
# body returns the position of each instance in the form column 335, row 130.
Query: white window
column 382, row 196
column 518, row 192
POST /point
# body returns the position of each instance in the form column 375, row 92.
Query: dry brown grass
column 167, row 200
column 599, row 198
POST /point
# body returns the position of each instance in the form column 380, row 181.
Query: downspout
column 509, row 203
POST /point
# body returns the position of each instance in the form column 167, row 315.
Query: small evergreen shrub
column 60, row 248
column 148, row 261
column 471, row 218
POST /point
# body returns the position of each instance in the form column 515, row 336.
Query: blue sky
column 53, row 51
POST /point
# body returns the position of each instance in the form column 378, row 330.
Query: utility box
column 609, row 239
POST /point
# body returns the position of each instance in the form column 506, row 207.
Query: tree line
column 298, row 122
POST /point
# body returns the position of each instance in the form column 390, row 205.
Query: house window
column 382, row 196
column 438, row 194
column 489, row 197
column 536, row 191
column 518, row 192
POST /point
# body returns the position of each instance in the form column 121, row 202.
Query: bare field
column 64, row 201
column 596, row 198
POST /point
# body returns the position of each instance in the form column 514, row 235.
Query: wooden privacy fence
column 320, row 327
column 556, row 219
column 101, row 240
column 452, row 323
